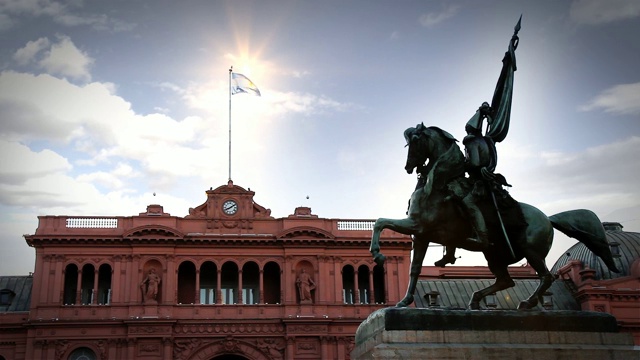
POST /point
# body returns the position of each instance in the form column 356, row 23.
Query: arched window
column 250, row 283
column 186, row 283
column 363, row 284
column 348, row 287
column 82, row 353
column 88, row 279
column 208, row 282
column 271, row 283
column 229, row 283
column 378, row 284
column 104, row 284
column 70, row 284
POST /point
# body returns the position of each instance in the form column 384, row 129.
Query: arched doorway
column 230, row 357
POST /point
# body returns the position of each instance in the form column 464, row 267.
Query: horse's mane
column 443, row 133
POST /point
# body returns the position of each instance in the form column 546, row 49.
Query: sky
column 109, row 106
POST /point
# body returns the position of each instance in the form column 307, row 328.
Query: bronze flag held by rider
column 460, row 201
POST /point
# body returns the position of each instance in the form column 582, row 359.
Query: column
column 240, row 286
column 47, row 277
column 94, row 291
column 337, row 281
column 261, row 291
column 324, row 347
column 131, row 348
column 290, row 349
column 355, row 287
column 79, row 288
column 58, row 282
column 167, row 342
column 219, row 287
column 197, row 287
column 372, row 294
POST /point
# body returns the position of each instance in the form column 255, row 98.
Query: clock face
column 230, row 207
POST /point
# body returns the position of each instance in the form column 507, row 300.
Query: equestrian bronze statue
column 460, row 202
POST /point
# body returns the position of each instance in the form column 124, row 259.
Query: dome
column 625, row 247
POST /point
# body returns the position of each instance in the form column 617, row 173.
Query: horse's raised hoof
column 527, row 305
column 408, row 300
column 474, row 305
column 379, row 259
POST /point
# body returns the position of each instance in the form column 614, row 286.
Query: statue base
column 409, row 333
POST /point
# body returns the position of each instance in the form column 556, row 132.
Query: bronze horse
column 433, row 217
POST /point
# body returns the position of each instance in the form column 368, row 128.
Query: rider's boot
column 480, row 242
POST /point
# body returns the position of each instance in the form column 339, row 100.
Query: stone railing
column 92, row 223
column 355, row 224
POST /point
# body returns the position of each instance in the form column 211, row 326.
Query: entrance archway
column 230, row 349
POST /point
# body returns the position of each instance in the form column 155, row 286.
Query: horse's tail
column 585, row 226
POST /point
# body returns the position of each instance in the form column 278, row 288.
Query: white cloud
column 602, row 178
column 27, row 54
column 619, row 99
column 19, row 163
column 65, row 59
column 594, row 12
column 434, row 18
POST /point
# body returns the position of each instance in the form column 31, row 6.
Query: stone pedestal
column 394, row 333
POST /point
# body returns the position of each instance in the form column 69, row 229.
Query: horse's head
column 425, row 143
column 417, row 153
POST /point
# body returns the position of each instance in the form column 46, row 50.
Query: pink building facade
column 227, row 281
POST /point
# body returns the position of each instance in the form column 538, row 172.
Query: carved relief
column 307, row 347
column 306, row 328
column 230, row 344
column 274, row 348
column 146, row 329
column 61, row 348
column 182, row 349
column 148, row 349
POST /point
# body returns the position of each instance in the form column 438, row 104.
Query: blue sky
column 103, row 104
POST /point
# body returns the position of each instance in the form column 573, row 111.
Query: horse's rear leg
column 420, row 246
column 546, row 280
column 503, row 281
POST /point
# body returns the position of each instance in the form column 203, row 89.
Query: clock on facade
column 230, row 207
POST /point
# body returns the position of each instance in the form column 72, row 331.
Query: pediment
column 305, row 232
column 153, row 230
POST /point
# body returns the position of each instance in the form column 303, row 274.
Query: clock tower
column 229, row 206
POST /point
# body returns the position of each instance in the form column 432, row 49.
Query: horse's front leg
column 420, row 245
column 404, row 226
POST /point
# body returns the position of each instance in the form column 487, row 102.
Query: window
column 104, row 284
column 186, row 283
column 70, row 284
column 348, row 287
column 229, row 278
column 271, row 278
column 83, row 353
column 250, row 283
column 88, row 278
column 208, row 282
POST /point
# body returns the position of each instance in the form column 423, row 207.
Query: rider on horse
column 480, row 163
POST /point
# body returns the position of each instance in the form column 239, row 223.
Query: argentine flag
column 241, row 84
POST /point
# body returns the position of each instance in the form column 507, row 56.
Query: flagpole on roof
column 230, row 70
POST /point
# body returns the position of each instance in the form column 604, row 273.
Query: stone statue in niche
column 149, row 287
column 305, row 286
